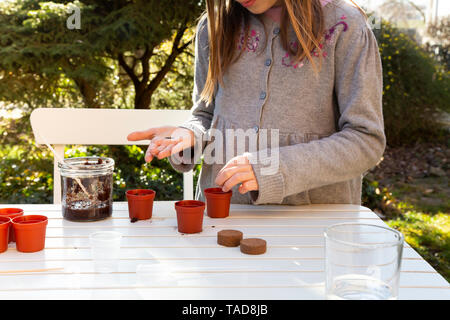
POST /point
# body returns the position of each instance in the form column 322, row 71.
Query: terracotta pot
column 11, row 213
column 217, row 202
column 140, row 203
column 30, row 232
column 5, row 224
column 190, row 215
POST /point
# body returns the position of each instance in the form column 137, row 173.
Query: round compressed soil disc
column 253, row 246
column 229, row 238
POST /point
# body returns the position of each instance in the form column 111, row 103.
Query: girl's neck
column 274, row 13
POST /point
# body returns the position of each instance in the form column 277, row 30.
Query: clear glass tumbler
column 362, row 262
column 105, row 250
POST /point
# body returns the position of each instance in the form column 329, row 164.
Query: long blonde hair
column 225, row 18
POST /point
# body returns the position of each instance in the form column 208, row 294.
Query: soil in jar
column 78, row 206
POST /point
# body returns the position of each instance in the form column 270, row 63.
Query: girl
column 306, row 71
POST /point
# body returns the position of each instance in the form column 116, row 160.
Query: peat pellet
column 229, row 238
column 253, row 246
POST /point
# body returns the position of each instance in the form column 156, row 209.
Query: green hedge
column 416, row 89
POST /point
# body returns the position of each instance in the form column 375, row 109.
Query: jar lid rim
column 79, row 163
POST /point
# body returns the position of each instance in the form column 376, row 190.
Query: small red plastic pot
column 190, row 215
column 140, row 203
column 5, row 224
column 217, row 202
column 11, row 213
column 30, row 232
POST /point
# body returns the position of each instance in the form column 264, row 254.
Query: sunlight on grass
column 427, row 234
column 425, row 225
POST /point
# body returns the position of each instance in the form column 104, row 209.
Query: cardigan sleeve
column 359, row 141
column 201, row 113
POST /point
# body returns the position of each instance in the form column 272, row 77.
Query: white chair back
column 80, row 126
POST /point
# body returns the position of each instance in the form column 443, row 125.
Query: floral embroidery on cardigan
column 286, row 61
column 330, row 34
column 328, row 39
column 252, row 41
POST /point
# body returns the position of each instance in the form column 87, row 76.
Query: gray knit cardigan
column 328, row 125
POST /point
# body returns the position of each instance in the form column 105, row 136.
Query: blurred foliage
column 416, row 89
column 440, row 35
column 44, row 64
column 26, row 172
column 377, row 198
column 121, row 43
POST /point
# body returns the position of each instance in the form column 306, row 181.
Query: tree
column 38, row 51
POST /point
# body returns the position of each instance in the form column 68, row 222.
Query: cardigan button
column 256, row 128
column 263, row 95
column 268, row 62
column 276, row 30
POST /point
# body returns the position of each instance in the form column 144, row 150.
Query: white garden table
column 292, row 267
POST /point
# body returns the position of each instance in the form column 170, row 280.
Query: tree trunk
column 144, row 88
column 88, row 92
column 143, row 98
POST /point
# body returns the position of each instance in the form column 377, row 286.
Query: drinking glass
column 362, row 261
column 105, row 250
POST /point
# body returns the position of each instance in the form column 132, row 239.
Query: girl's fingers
column 157, row 145
column 142, row 135
column 180, row 146
column 173, row 148
column 153, row 148
column 163, row 147
column 236, row 179
column 250, row 185
column 237, row 171
column 229, row 170
column 236, row 161
column 148, row 155
column 165, row 151
column 166, row 141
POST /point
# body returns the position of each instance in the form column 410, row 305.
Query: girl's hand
column 237, row 170
column 164, row 141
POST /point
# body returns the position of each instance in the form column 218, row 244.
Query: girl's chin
column 257, row 9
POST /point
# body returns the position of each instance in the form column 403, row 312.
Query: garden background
column 139, row 54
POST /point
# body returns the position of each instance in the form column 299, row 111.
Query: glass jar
column 86, row 188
